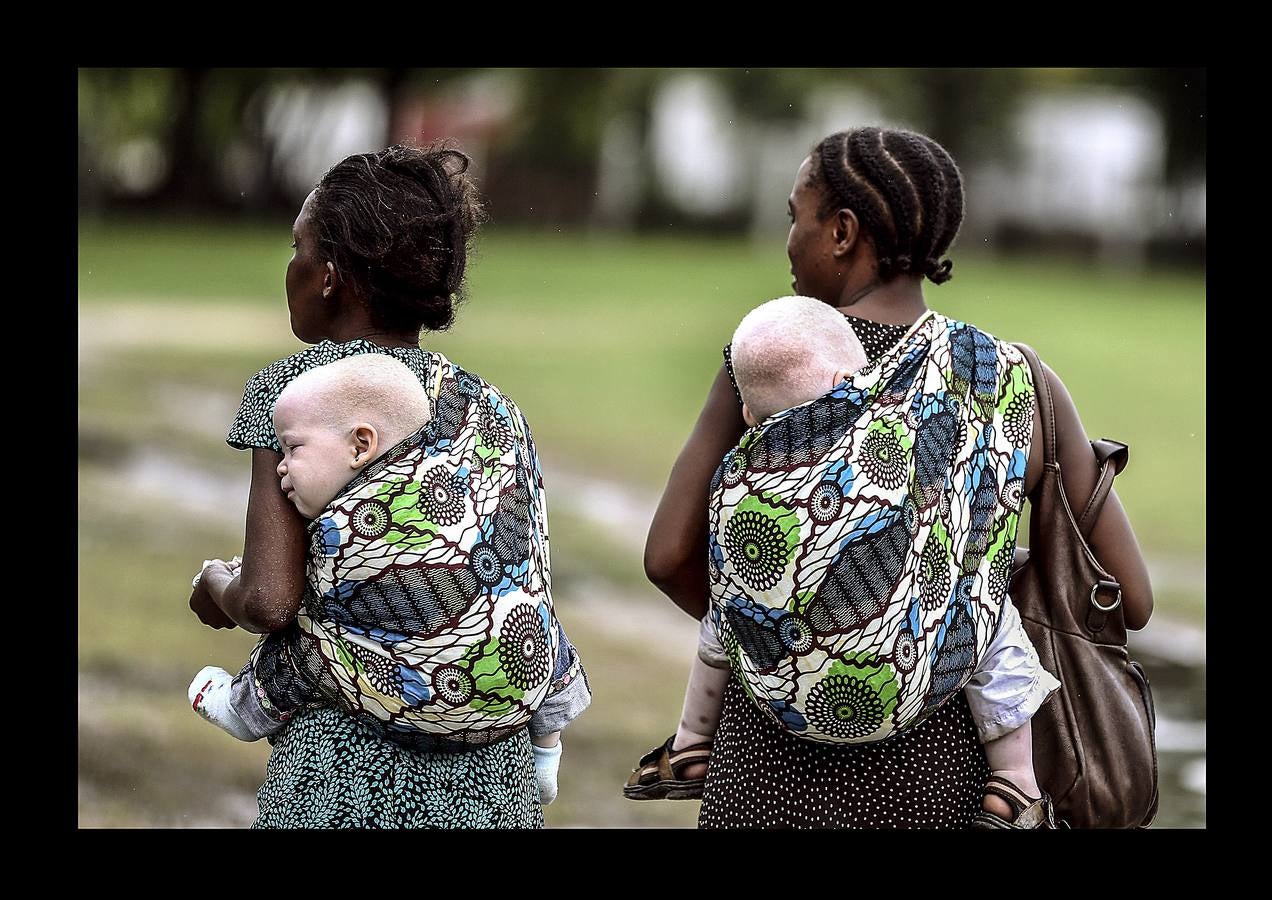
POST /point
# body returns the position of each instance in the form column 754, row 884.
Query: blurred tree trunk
column 1180, row 95
column 392, row 83
column 188, row 183
column 967, row 109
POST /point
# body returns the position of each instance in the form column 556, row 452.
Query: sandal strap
column 672, row 762
column 1027, row 812
column 1038, row 814
column 666, row 764
column 1012, row 795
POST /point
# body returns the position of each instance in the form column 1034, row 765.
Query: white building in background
column 1089, row 162
column 698, row 145
column 779, row 149
column 312, row 126
column 709, row 160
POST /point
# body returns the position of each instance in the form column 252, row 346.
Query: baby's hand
column 209, row 696
column 233, row 566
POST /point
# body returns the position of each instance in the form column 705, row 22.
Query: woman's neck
column 898, row 302
column 353, row 331
column 351, row 320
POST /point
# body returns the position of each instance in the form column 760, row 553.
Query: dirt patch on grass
column 193, row 326
column 147, row 761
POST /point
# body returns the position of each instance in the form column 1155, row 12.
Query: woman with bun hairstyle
column 873, row 212
column 381, row 247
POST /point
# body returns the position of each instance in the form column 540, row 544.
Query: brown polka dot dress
column 762, row 776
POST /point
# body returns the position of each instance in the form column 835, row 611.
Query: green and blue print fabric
column 860, row 544
column 428, row 605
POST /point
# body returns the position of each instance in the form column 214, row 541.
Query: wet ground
column 1179, row 694
column 121, row 774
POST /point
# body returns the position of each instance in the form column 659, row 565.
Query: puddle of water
column 1176, row 736
column 1194, row 776
column 188, row 488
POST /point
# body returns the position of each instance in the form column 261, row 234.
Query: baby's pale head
column 334, row 420
column 791, row 350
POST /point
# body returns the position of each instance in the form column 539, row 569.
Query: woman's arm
column 676, row 548
column 1112, row 539
column 266, row 594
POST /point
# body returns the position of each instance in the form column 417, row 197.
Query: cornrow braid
column 848, row 189
column 905, row 189
column 953, row 204
column 891, row 180
column 913, row 156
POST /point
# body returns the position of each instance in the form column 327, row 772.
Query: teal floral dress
column 327, row 769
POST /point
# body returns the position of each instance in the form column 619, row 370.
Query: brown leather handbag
column 1093, row 745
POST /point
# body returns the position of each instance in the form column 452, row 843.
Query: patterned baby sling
column 861, row 543
column 428, row 606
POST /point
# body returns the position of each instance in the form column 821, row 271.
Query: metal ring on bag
column 1106, row 584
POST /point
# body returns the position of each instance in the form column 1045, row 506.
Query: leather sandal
column 659, row 774
column 1028, row 813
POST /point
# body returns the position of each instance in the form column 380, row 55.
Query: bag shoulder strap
column 1110, row 455
column 1042, row 395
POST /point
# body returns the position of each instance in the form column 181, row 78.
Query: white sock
column 209, row 696
column 546, row 762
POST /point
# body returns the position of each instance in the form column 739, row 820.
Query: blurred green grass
column 608, row 345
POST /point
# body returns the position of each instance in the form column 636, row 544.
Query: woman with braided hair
column 873, row 213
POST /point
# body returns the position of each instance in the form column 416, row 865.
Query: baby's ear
column 747, row 416
column 364, row 443
column 841, row 376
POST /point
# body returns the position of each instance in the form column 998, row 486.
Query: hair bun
column 436, row 311
column 397, row 223
column 939, row 272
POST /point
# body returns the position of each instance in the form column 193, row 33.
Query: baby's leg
column 704, row 696
column 1011, row 757
column 1007, row 689
column 676, row 770
column 547, row 760
column 235, row 704
column 568, row 696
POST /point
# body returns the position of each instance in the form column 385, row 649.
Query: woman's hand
column 265, row 595
column 202, row 601
column 676, row 548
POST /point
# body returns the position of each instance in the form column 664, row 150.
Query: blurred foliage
column 556, row 130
